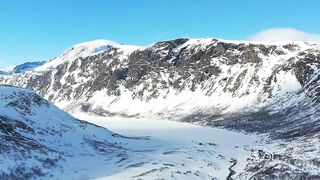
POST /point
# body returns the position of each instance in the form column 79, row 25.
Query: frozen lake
column 178, row 150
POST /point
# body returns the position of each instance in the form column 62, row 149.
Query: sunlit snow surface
column 178, row 150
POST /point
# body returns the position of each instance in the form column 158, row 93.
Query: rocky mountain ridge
column 206, row 81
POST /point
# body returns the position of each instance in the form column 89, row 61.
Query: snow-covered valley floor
column 177, row 150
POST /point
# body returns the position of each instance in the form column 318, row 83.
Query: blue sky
column 33, row 30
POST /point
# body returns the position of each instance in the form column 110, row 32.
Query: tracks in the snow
column 232, row 172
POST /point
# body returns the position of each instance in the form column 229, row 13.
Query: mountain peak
column 90, row 47
column 95, row 43
column 85, row 49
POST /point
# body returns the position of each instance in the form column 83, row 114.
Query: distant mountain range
column 27, row 66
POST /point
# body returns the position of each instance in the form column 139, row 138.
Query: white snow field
column 178, row 150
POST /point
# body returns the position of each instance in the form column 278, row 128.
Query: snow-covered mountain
column 189, row 79
column 27, row 66
column 264, row 87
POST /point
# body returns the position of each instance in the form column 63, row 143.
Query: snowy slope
column 40, row 140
